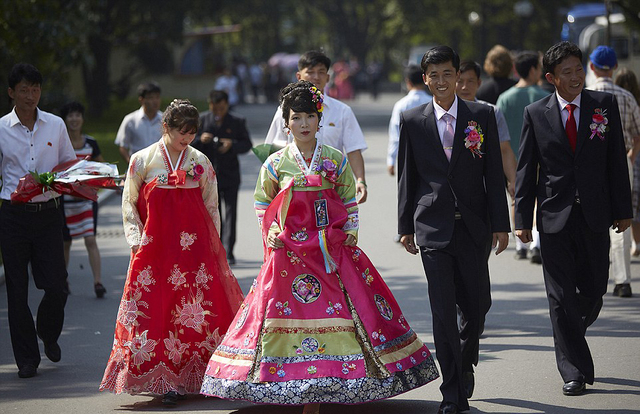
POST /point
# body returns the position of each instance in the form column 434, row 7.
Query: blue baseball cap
column 604, row 57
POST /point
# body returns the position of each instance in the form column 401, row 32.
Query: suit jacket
column 549, row 171
column 429, row 185
column 226, row 165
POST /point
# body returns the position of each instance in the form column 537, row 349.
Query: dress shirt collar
column 14, row 120
column 563, row 102
column 143, row 115
column 440, row 111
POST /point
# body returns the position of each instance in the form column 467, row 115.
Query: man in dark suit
column 451, row 196
column 221, row 137
column 572, row 162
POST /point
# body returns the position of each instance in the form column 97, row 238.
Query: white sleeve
column 65, row 149
column 394, row 135
column 352, row 136
column 276, row 130
column 121, row 137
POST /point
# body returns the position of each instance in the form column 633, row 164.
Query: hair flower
column 317, row 97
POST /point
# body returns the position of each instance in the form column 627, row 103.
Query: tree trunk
column 96, row 75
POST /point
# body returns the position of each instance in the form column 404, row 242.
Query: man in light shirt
column 143, row 127
column 416, row 96
column 338, row 126
column 31, row 233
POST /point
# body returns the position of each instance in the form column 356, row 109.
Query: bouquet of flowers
column 79, row 178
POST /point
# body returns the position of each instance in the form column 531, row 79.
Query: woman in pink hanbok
column 180, row 295
column 319, row 324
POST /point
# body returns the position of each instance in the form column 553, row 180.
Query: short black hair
column 313, row 58
column 216, row 96
column 525, row 61
column 559, row 52
column 71, row 107
column 413, row 74
column 148, row 87
column 440, row 54
column 181, row 115
column 297, row 96
column 467, row 65
column 26, row 72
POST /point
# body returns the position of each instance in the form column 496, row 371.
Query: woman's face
column 74, row 121
column 303, row 126
column 177, row 140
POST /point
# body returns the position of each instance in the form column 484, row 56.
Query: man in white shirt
column 32, row 140
column 416, row 96
column 338, row 126
column 143, row 127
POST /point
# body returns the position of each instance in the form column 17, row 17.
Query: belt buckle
column 457, row 215
column 32, row 208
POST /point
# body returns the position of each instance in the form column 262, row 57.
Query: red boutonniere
column 195, row 170
column 474, row 139
column 599, row 123
column 50, row 144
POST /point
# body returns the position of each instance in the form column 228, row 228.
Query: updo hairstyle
column 181, row 115
column 299, row 97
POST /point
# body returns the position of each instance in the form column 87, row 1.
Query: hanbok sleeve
column 347, row 193
column 209, row 188
column 267, row 188
column 133, row 226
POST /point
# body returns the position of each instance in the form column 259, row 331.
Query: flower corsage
column 474, row 139
column 195, row 170
column 599, row 123
column 328, row 169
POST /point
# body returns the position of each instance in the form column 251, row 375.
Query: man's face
column 467, row 85
column 318, row 75
column 568, row 78
column 220, row 109
column 26, row 96
column 441, row 79
column 151, row 103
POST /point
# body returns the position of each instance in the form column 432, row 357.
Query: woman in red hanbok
column 319, row 324
column 180, row 295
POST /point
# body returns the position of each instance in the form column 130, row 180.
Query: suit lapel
column 555, row 120
column 464, row 116
column 431, row 132
column 587, row 107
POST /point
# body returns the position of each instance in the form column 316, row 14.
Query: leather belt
column 35, row 207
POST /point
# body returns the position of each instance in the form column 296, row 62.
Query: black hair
column 26, row 72
column 148, row 87
column 297, row 96
column 413, row 74
column 182, row 116
column 440, row 54
column 467, row 65
column 313, row 58
column 216, row 96
column 559, row 52
column 525, row 61
column 71, row 107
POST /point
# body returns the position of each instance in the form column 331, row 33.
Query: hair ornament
column 317, row 97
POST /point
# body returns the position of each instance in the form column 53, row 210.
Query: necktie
column 447, row 136
column 571, row 128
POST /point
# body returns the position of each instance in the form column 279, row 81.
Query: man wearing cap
column 603, row 64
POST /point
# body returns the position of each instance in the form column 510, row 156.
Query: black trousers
column 575, row 262
column 36, row 238
column 228, row 216
column 457, row 277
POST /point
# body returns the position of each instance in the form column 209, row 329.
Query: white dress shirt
column 440, row 111
column 137, row 131
column 23, row 151
column 338, row 128
column 411, row 100
column 564, row 112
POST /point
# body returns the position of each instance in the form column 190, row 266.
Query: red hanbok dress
column 319, row 324
column 180, row 295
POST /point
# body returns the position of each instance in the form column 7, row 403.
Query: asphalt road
column 516, row 374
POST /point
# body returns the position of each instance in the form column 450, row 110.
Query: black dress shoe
column 448, row 408
column 231, row 259
column 469, row 382
column 535, row 256
column 521, row 254
column 172, row 397
column 52, row 351
column 622, row 290
column 27, row 371
column 573, row 388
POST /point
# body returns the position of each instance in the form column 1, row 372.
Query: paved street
column 516, row 374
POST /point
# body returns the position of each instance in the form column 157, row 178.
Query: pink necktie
column 447, row 136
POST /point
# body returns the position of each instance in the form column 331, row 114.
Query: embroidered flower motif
column 599, row 123
column 281, row 373
column 413, row 360
column 300, row 180
column 211, row 342
column 312, row 369
column 177, row 277
column 187, row 240
column 367, row 277
column 195, row 170
column 348, row 367
column 294, row 258
column 310, row 344
column 163, row 179
column 300, row 235
column 141, row 348
column 306, row 288
column 424, row 354
column 399, row 366
column 192, row 315
column 330, row 310
column 383, row 307
column 321, row 349
column 283, row 308
column 272, row 370
column 128, row 310
column 175, row 348
column 284, row 273
column 356, row 255
column 145, row 278
column 203, row 277
column 144, row 239
column 402, row 321
column 248, row 338
column 474, row 139
column 378, row 335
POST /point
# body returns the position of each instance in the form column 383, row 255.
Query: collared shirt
column 23, row 151
column 564, row 111
column 338, row 128
column 137, row 131
column 411, row 100
column 440, row 111
column 629, row 110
